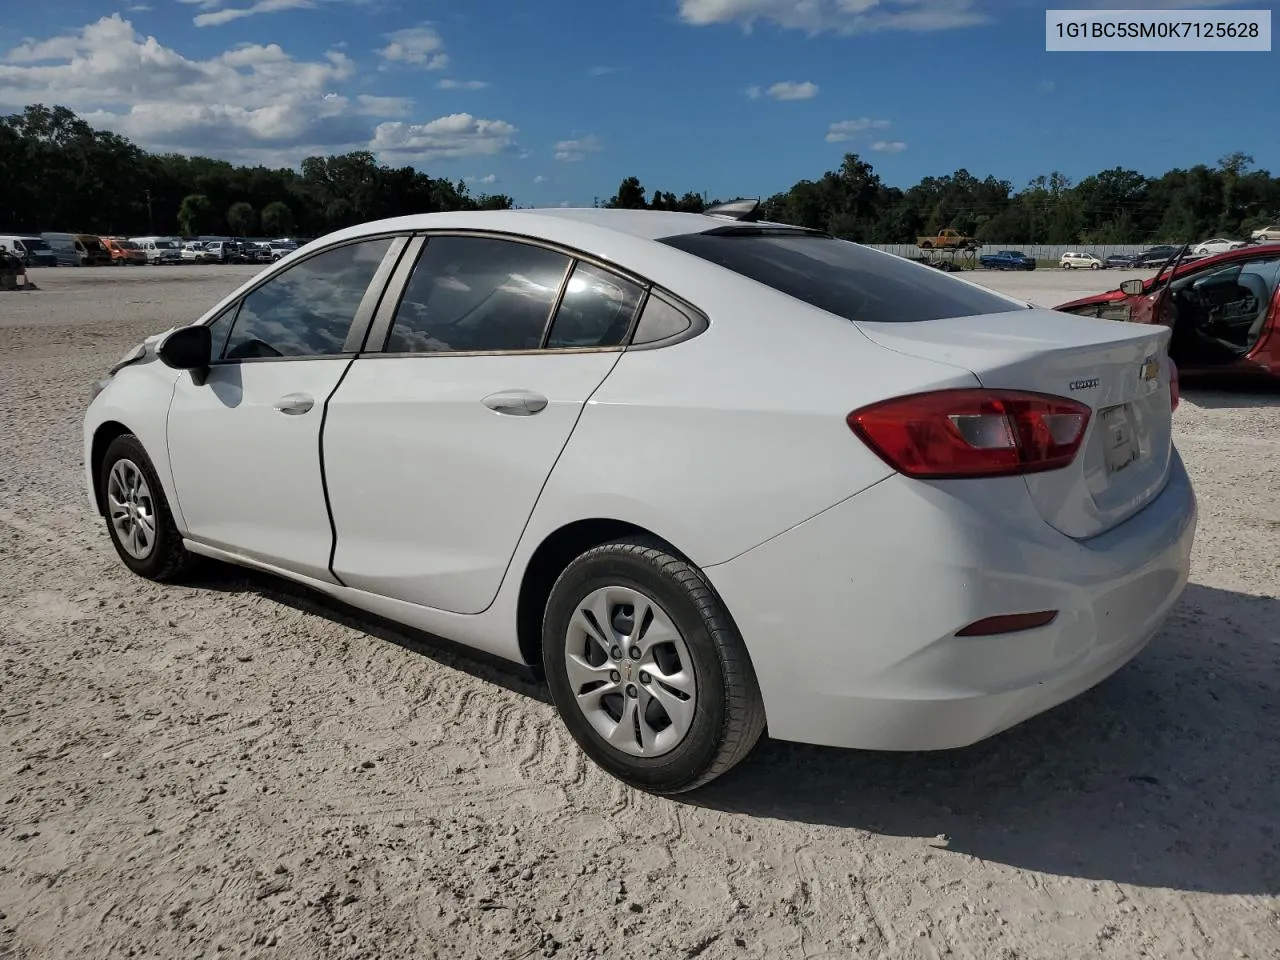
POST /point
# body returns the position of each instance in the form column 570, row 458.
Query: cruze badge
column 1088, row 384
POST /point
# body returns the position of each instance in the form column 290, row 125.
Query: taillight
column 951, row 434
column 1174, row 393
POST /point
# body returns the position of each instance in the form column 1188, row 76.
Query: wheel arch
column 557, row 550
column 106, row 431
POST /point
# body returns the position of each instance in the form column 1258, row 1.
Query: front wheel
column 1094, row 266
column 138, row 517
column 647, row 669
column 1066, row 266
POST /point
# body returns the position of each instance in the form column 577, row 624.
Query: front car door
column 245, row 444
column 438, row 442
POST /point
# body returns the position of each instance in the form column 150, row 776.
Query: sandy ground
column 237, row 769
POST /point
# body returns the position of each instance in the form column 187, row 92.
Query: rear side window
column 843, row 278
column 659, row 321
column 596, row 310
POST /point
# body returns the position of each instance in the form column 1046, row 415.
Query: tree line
column 1116, row 206
column 58, row 173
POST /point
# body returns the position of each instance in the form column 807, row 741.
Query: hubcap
column 630, row 671
column 131, row 509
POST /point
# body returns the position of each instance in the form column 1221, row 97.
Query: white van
column 159, row 249
column 32, row 251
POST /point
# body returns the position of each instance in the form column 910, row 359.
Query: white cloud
column 462, row 85
column 217, row 13
column 571, row 151
column 843, row 130
column 753, row 92
column 539, row 179
column 457, row 135
column 252, row 103
column 602, row 71
column 384, row 106
column 790, row 90
column 888, row 146
column 838, row 16
column 487, row 179
column 419, row 46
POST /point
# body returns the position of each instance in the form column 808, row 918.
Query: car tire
column 1066, row 266
column 127, row 481
column 1094, row 266
column 689, row 639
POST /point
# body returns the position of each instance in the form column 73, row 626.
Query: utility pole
column 151, row 223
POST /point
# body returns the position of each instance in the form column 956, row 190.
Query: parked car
column 1157, row 256
column 259, row 252
column 221, row 251
column 1007, row 260
column 159, row 250
column 32, row 251
column 282, row 248
column 434, row 458
column 66, row 251
column 947, row 239
column 93, row 252
column 1072, row 260
column 1224, row 311
column 1217, row 245
column 124, row 252
column 1267, row 234
column 1122, row 260
column 194, row 251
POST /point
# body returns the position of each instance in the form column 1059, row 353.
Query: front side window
column 843, row 278
column 477, row 294
column 596, row 310
column 306, row 311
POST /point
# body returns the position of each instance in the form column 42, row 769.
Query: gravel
column 238, row 768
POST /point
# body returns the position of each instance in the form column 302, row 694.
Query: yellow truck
column 947, row 240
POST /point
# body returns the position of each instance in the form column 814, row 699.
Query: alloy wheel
column 630, row 671
column 131, row 509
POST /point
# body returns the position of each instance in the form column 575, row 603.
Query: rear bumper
column 850, row 617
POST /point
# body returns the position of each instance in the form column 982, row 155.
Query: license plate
column 1121, row 444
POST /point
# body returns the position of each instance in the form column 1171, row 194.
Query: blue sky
column 556, row 102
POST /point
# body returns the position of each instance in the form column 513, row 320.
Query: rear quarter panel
column 727, row 439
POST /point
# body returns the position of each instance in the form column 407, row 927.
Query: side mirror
column 1131, row 288
column 188, row 348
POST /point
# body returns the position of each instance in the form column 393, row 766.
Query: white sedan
column 1217, row 245
column 707, row 473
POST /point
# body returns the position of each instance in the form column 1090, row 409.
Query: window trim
column 379, row 332
column 365, row 312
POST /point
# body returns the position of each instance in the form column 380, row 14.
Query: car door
column 244, row 441
column 438, row 442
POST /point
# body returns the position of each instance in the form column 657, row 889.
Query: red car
column 1224, row 311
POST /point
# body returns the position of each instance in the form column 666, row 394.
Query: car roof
column 555, row 222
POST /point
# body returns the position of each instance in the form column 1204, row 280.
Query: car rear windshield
column 843, row 278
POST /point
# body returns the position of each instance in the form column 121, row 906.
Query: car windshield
column 165, row 244
column 91, row 243
column 1016, row 253
column 34, row 244
column 849, row 280
column 126, row 245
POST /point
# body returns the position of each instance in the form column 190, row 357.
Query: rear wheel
column 138, row 517
column 647, row 669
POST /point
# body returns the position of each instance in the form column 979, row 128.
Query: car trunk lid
column 1120, row 370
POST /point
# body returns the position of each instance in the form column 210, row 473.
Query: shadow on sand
column 1165, row 775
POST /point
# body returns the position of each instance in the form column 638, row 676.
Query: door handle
column 516, row 403
column 294, row 403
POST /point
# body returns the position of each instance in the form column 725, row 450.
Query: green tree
column 277, row 219
column 630, row 195
column 242, row 218
column 194, row 215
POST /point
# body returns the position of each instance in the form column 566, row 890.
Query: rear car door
column 440, row 438
column 244, row 444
